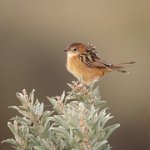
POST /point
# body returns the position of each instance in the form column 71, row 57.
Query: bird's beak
column 65, row 50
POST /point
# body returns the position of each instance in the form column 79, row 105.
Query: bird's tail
column 121, row 67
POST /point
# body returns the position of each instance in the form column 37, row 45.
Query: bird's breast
column 74, row 66
column 81, row 71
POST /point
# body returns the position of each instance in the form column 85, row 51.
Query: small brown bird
column 85, row 64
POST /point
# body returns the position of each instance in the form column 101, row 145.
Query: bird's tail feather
column 121, row 67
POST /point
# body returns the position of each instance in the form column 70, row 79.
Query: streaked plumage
column 85, row 64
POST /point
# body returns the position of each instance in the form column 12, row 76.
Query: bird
column 84, row 63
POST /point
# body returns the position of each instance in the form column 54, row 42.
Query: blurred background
column 33, row 35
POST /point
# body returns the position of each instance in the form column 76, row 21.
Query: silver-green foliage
column 77, row 121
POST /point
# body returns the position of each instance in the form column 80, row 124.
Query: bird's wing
column 92, row 59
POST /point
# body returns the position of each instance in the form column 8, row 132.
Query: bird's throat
column 71, row 54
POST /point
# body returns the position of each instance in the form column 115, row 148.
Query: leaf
column 109, row 130
column 24, row 113
column 40, row 109
column 106, row 119
column 12, row 128
column 46, row 126
column 70, row 85
column 46, row 114
column 98, row 145
column 39, row 148
column 79, row 133
column 22, row 121
column 91, row 118
column 10, row 141
column 32, row 96
column 99, row 120
column 34, row 131
column 96, row 93
column 64, row 133
column 100, row 104
column 63, row 96
column 61, row 121
column 52, row 101
column 105, row 147
column 33, row 141
column 20, row 96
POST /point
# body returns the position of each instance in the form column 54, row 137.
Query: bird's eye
column 74, row 49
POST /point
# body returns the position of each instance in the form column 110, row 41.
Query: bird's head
column 76, row 48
